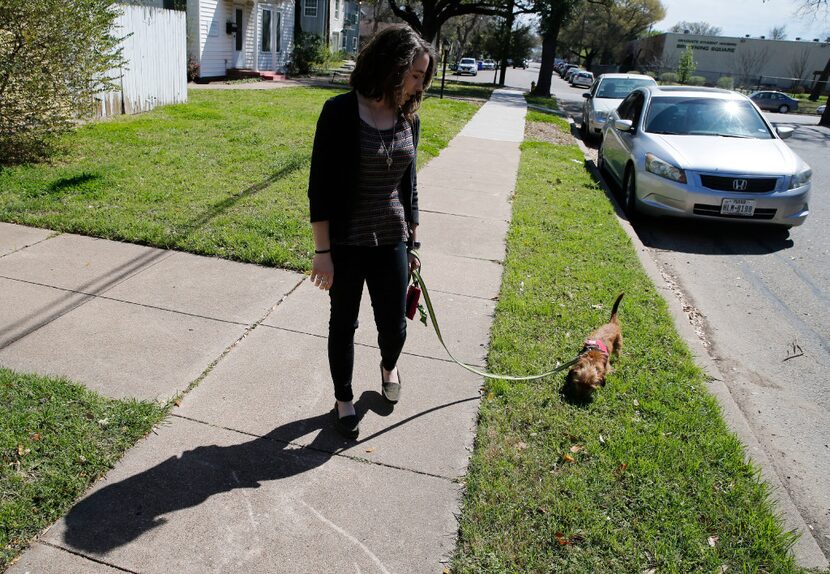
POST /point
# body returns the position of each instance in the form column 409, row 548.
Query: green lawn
column 56, row 439
column 646, row 477
column 549, row 102
column 225, row 174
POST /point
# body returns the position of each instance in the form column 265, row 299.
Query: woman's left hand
column 413, row 263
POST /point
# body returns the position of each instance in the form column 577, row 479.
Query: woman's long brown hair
column 383, row 63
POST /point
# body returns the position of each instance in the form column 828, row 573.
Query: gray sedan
column 703, row 153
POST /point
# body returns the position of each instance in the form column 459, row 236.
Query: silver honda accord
column 704, row 153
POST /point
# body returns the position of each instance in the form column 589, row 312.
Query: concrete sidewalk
column 247, row 475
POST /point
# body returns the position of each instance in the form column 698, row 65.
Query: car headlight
column 801, row 178
column 664, row 169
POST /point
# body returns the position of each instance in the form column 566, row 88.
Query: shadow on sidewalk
column 120, row 513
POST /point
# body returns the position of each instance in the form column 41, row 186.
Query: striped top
column 377, row 217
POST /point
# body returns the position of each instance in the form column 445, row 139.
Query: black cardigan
column 335, row 166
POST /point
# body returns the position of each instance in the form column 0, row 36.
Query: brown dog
column 594, row 360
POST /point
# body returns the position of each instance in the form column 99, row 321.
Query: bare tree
column 748, row 64
column 699, row 28
column 427, row 16
column 798, row 66
column 778, row 32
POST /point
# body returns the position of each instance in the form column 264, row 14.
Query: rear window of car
column 618, row 88
column 679, row 115
column 467, row 61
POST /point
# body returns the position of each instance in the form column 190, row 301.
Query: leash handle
column 416, row 274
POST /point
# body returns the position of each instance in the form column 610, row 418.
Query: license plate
column 743, row 207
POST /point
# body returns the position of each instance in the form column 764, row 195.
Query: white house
column 224, row 36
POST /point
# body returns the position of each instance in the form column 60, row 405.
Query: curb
column 806, row 550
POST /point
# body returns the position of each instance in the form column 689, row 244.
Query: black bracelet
column 321, row 251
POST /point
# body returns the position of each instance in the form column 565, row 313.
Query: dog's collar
column 595, row 345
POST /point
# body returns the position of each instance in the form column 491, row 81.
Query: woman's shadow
column 121, row 512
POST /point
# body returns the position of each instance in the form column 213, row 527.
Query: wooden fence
column 155, row 69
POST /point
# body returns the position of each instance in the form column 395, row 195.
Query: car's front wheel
column 783, row 109
column 630, row 193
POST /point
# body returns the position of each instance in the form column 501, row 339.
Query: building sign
column 706, row 45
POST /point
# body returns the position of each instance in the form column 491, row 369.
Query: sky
column 753, row 17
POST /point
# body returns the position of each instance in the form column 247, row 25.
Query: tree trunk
column 825, row 117
column 298, row 26
column 546, row 69
column 508, row 37
column 819, row 86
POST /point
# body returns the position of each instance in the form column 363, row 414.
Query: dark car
column 774, row 101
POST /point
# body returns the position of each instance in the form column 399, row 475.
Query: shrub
column 686, row 66
column 696, row 80
column 726, row 83
column 668, row 78
column 192, row 69
column 308, row 50
column 55, row 56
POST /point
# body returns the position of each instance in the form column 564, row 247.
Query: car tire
column 783, row 109
column 630, row 193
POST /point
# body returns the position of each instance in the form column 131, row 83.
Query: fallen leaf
column 560, row 538
column 568, row 458
column 713, row 541
column 36, row 436
column 21, row 450
column 577, row 448
column 103, row 422
column 601, row 440
column 446, row 571
column 81, row 459
column 636, row 403
column 521, row 446
column 723, row 568
column 177, row 402
column 370, row 449
column 622, row 467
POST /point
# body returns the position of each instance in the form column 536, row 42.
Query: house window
column 279, row 32
column 310, row 8
column 337, row 8
column 354, row 44
column 343, row 42
column 266, row 30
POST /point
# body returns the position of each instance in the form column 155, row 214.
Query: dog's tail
column 615, row 307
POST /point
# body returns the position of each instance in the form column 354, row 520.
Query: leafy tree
column 698, row 28
column 686, row 65
column 55, row 56
column 603, row 28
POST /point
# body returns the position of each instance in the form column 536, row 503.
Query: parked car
column 564, row 69
column 488, row 64
column 820, row 109
column 774, row 101
column 703, row 153
column 582, row 79
column 569, row 74
column 467, row 66
column 479, row 64
column 607, row 91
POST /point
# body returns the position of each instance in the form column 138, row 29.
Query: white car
column 467, row 66
column 820, row 109
column 606, row 94
column 582, row 79
column 488, row 65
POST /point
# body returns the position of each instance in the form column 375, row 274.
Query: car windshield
column 618, row 88
column 467, row 61
column 698, row 116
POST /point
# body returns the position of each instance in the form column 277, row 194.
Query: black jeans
column 385, row 269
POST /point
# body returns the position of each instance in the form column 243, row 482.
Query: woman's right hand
column 322, row 270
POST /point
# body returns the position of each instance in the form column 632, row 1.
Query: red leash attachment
column 413, row 297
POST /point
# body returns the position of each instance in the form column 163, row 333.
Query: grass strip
column 225, row 174
column 56, row 439
column 546, row 102
column 646, row 477
column 457, row 89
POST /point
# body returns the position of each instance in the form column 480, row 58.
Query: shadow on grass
column 69, row 182
column 122, row 512
column 295, row 162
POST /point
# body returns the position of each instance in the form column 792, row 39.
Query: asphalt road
column 760, row 302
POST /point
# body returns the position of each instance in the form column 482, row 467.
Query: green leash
column 416, row 275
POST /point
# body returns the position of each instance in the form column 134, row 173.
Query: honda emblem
column 739, row 184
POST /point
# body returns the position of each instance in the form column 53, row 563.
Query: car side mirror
column 587, row 95
column 623, row 125
column 784, row 132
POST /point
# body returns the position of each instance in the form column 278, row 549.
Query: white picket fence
column 155, row 71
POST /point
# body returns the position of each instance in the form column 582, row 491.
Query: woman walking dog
column 364, row 205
